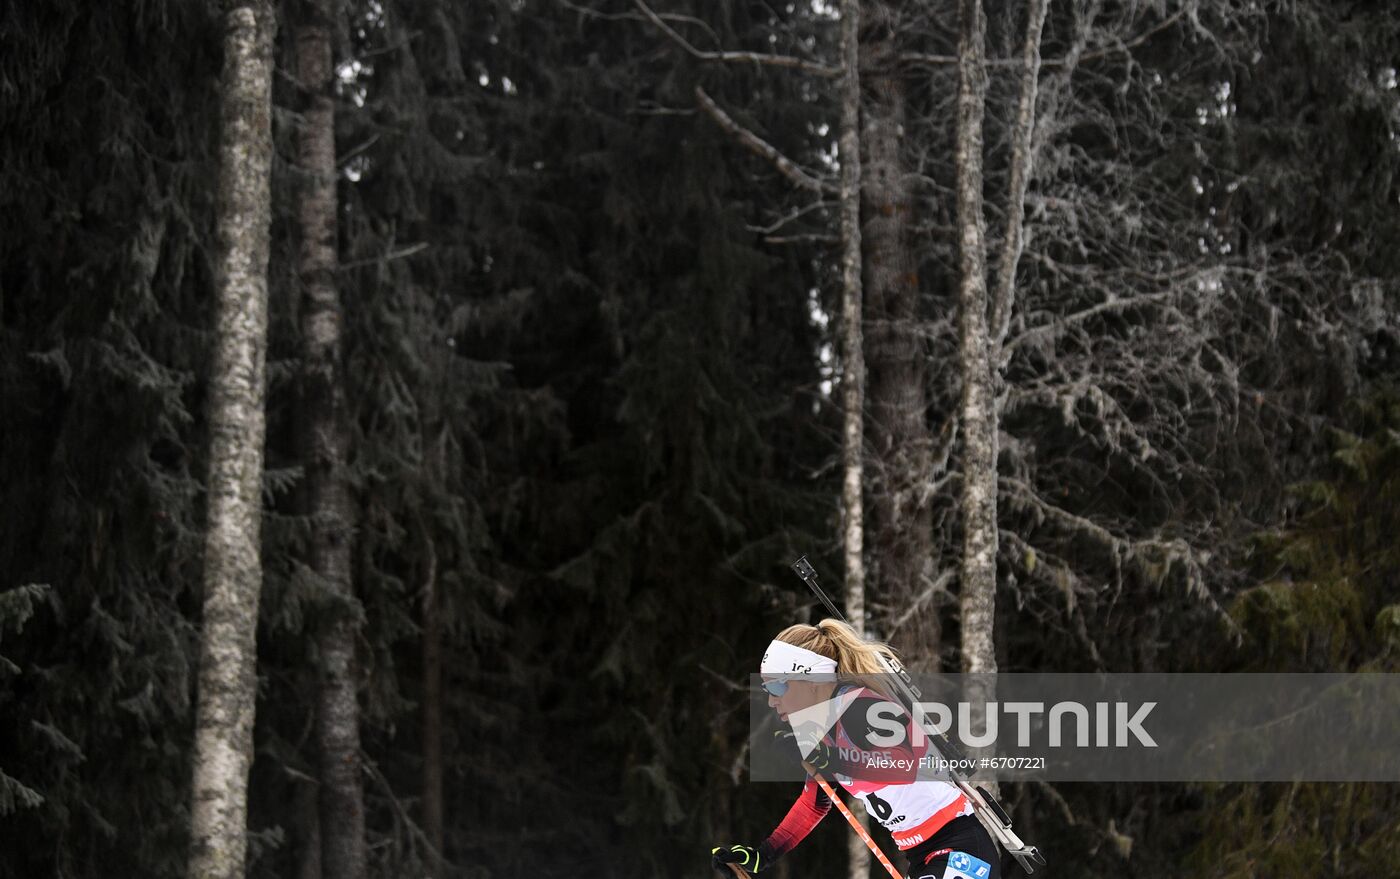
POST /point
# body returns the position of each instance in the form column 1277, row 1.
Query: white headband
column 782, row 658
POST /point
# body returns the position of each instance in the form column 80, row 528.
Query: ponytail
column 858, row 661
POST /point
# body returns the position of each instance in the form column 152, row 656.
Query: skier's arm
column 811, row 807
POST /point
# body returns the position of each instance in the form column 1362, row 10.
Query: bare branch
column 929, row 60
column 1064, row 518
column 789, row 61
column 1105, row 51
column 652, row 108
column 936, row 60
column 733, row 686
column 1108, row 305
column 810, row 238
column 590, row 12
column 757, row 145
column 938, row 474
column 787, row 218
column 736, row 768
column 936, row 586
column 343, row 161
column 383, row 258
column 1022, row 163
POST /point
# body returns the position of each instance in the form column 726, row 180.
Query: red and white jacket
column 883, row 778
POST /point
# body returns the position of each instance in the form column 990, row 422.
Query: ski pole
column 987, row 809
column 860, row 830
column 853, row 821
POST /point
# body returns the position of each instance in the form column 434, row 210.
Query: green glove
column 746, row 856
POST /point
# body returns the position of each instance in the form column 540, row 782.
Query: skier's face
column 798, row 694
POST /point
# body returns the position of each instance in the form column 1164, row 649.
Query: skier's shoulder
column 865, row 706
column 863, row 695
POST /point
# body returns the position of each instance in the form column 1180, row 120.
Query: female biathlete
column 931, row 821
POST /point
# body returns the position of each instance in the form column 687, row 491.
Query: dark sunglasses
column 775, row 688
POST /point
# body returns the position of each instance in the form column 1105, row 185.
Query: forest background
column 593, row 291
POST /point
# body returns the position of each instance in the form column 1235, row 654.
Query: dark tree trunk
column 432, row 708
column 223, row 748
column 323, row 435
column 309, row 832
column 900, row 529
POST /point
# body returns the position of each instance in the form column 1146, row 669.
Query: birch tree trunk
column 323, row 436
column 978, row 600
column 900, row 522
column 852, row 357
column 979, row 557
column 980, row 341
column 223, row 746
column 852, row 346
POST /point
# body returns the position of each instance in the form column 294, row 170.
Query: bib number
column 879, row 807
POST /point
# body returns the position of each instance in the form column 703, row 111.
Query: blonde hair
column 857, row 660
